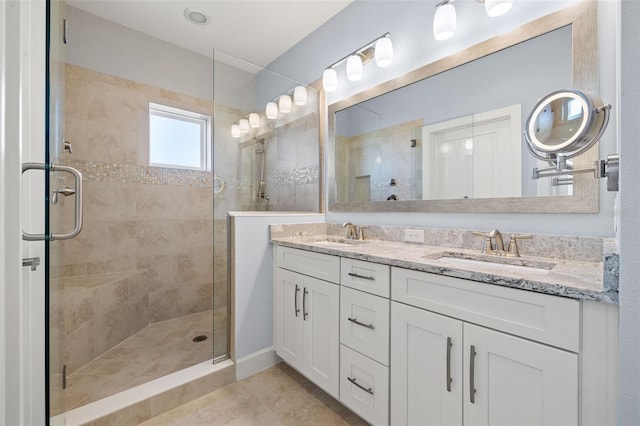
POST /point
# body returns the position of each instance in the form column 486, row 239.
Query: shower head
column 260, row 143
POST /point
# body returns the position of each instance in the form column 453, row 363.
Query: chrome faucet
column 352, row 233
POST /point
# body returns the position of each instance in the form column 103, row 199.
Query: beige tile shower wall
column 372, row 159
column 159, row 221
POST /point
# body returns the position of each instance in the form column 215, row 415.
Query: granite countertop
column 561, row 277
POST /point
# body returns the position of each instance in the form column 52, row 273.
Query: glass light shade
column 284, row 104
column 254, row 120
column 235, row 131
column 384, row 52
column 497, row 7
column 444, row 22
column 354, row 68
column 300, row 95
column 271, row 111
column 330, row 80
column 244, row 126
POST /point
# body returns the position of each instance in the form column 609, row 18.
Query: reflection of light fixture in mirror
column 564, row 124
column 497, row 7
column 284, row 104
column 300, row 95
column 444, row 21
column 330, row 80
column 468, row 144
column 384, row 52
column 244, row 126
column 254, row 120
column 235, row 131
column 354, row 67
column 271, row 111
column 381, row 48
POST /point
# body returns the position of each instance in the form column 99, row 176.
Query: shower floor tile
column 276, row 396
column 153, row 352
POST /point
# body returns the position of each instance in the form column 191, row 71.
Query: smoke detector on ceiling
column 196, row 16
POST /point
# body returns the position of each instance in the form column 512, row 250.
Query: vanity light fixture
column 381, row 48
column 244, row 126
column 300, row 95
column 354, row 67
column 497, row 7
column 235, row 131
column 284, row 104
column 444, row 20
column 254, row 120
column 271, row 111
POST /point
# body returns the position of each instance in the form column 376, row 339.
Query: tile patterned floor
column 277, row 396
column 154, row 351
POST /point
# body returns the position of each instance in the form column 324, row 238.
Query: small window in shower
column 179, row 138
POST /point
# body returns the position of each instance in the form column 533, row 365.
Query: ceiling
column 258, row 31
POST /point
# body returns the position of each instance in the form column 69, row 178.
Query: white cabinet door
column 289, row 325
column 426, row 353
column 320, row 312
column 516, row 381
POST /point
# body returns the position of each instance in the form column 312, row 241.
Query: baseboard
column 256, row 362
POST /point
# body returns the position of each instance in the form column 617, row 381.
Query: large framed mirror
column 447, row 137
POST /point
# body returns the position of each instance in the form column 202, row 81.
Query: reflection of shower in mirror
column 261, row 196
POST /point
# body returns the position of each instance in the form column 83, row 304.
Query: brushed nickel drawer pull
column 295, row 300
column 472, row 381
column 353, row 274
column 355, row 321
column 367, row 390
column 304, row 304
column 448, row 378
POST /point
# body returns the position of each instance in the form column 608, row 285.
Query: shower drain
column 200, row 338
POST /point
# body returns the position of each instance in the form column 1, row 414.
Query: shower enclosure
column 131, row 298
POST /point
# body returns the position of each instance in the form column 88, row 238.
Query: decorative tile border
column 132, row 173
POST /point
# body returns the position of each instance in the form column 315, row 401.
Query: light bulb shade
column 497, row 7
column 235, row 131
column 271, row 111
column 284, row 104
column 330, row 80
column 444, row 22
column 244, row 126
column 254, row 120
column 384, row 52
column 300, row 95
column 354, row 68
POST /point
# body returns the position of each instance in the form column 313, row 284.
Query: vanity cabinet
column 450, row 371
column 307, row 317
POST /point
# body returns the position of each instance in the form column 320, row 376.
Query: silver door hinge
column 32, row 262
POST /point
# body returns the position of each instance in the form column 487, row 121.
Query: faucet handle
column 360, row 232
column 513, row 243
column 488, row 243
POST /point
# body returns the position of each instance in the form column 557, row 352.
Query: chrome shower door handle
column 78, row 201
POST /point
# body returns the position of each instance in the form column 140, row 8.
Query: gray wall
column 410, row 25
column 629, row 366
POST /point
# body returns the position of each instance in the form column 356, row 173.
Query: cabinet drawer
column 364, row 386
column 318, row 265
column 366, row 276
column 544, row 318
column 364, row 323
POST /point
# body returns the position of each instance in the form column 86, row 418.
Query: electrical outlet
column 414, row 235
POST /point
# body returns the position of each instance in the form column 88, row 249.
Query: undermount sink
column 461, row 259
column 342, row 241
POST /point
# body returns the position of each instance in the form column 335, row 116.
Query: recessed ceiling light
column 196, row 16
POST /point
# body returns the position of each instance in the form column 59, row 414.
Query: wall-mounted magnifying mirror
column 564, row 124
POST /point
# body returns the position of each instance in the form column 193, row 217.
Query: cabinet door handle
column 472, row 384
column 295, row 300
column 355, row 321
column 304, row 304
column 367, row 390
column 448, row 378
column 364, row 277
